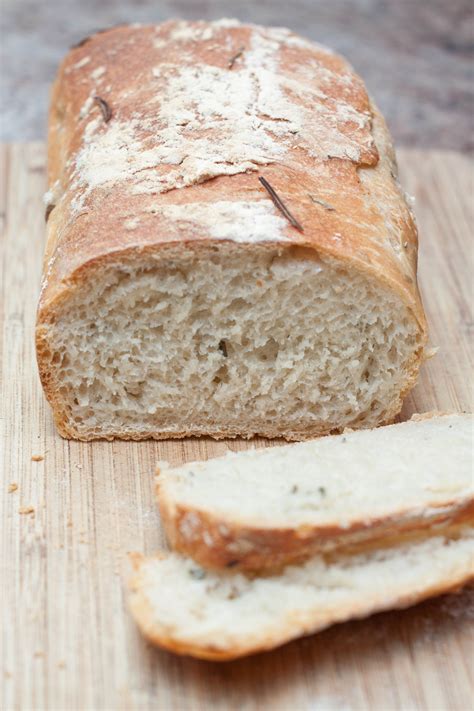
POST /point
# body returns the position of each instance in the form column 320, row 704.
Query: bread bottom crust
column 319, row 430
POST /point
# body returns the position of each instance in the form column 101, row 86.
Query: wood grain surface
column 67, row 639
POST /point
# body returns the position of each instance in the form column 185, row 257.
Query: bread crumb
column 62, row 664
column 431, row 352
column 12, row 487
column 27, row 510
column 37, row 458
column 38, row 654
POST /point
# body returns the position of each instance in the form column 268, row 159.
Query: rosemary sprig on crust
column 81, row 42
column 277, row 201
column 236, row 56
column 104, row 107
column 323, row 203
column 48, row 211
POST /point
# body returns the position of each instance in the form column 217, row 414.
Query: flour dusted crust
column 178, row 162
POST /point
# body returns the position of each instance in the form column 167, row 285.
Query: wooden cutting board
column 68, row 641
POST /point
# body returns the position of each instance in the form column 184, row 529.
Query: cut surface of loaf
column 177, row 299
column 263, row 508
column 211, row 615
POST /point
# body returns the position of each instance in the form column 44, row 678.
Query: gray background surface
column 415, row 55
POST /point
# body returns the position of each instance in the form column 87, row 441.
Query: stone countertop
column 415, row 56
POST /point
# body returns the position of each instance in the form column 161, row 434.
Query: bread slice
column 225, row 615
column 177, row 298
column 267, row 507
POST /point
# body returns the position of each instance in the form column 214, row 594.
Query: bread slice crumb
column 27, row 510
column 12, row 487
column 226, row 615
column 37, row 458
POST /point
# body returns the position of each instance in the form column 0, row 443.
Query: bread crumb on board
column 37, row 458
column 27, row 510
column 12, row 487
column 430, row 352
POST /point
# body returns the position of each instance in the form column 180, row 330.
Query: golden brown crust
column 253, row 548
column 369, row 227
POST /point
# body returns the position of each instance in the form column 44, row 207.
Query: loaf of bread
column 224, row 615
column 264, row 508
column 229, row 251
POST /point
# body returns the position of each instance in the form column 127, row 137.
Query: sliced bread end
column 221, row 616
column 266, row 508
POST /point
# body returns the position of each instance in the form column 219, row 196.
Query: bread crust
column 250, row 548
column 369, row 228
